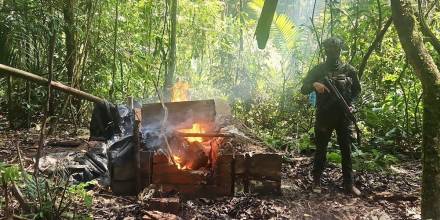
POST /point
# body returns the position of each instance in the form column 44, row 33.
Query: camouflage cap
column 334, row 42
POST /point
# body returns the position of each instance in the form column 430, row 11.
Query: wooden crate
column 217, row 181
column 228, row 173
column 258, row 173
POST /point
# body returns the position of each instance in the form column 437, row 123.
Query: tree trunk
column 115, row 42
column 10, row 114
column 69, row 29
column 72, row 52
column 50, row 54
column 405, row 22
column 171, row 65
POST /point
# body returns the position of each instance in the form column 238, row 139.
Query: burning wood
column 203, row 149
column 190, row 155
column 196, row 129
column 195, row 156
column 210, row 135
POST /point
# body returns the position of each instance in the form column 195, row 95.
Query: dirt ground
column 387, row 195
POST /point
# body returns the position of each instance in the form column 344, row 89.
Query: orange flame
column 179, row 162
column 180, row 92
column 196, row 128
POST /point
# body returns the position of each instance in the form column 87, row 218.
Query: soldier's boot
column 347, row 171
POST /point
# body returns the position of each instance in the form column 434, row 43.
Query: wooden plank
column 124, row 188
column 258, row 177
column 146, row 167
column 265, row 187
column 180, row 114
column 137, row 114
column 265, row 165
column 126, row 171
column 259, row 173
column 223, row 173
column 180, row 177
column 192, row 191
column 137, row 157
column 146, row 158
column 239, row 164
column 164, row 168
column 160, row 158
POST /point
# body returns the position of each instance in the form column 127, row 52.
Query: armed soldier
column 331, row 112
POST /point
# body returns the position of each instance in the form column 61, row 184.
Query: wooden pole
column 7, row 70
column 137, row 147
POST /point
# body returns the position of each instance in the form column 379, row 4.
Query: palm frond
column 287, row 30
column 284, row 29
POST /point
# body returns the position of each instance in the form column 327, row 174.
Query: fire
column 179, row 161
column 196, row 128
column 179, row 92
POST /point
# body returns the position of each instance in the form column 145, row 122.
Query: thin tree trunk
column 315, row 31
column 355, row 30
column 171, row 65
column 50, row 55
column 240, row 52
column 10, row 104
column 405, row 22
column 379, row 21
column 331, row 17
column 405, row 97
column 69, row 30
column 71, row 48
column 112, row 89
column 416, row 113
column 373, row 45
column 430, row 36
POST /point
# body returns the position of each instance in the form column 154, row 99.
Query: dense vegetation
column 119, row 48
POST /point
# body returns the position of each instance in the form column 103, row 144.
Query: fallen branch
column 394, row 197
column 7, row 70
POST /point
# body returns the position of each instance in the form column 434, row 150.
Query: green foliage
column 305, row 143
column 79, row 192
column 57, row 199
column 373, row 160
column 286, row 34
column 49, row 198
column 217, row 55
column 334, row 157
column 9, row 173
column 368, row 160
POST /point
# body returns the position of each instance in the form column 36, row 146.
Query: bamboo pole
column 7, row 70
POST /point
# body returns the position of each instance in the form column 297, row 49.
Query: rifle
column 344, row 105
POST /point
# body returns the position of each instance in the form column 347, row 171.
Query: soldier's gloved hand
column 320, row 88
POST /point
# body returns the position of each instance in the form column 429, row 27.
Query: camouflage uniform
column 329, row 114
